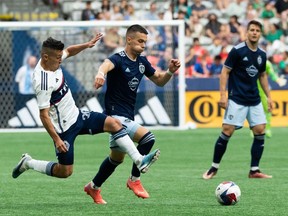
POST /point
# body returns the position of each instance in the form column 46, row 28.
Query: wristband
column 100, row 72
column 169, row 72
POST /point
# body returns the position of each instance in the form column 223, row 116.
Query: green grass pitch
column 174, row 181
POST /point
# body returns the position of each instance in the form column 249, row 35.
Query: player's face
column 253, row 33
column 54, row 59
column 138, row 42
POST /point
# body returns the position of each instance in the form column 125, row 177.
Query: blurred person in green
column 281, row 81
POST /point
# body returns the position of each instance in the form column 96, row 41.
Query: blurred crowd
column 212, row 28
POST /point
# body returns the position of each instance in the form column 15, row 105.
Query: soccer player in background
column 123, row 72
column 64, row 121
column 281, row 82
column 245, row 64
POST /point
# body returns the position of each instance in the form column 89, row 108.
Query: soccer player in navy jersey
column 123, row 72
column 244, row 65
column 64, row 121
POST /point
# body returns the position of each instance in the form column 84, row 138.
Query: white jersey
column 53, row 92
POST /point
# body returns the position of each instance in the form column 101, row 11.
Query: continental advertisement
column 202, row 109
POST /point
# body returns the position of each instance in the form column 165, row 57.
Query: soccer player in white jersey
column 124, row 72
column 64, row 121
column 245, row 64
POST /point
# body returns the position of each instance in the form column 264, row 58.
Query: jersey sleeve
column 43, row 93
column 232, row 58
column 263, row 67
column 43, row 99
column 149, row 70
column 115, row 58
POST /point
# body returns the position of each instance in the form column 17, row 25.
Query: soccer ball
column 228, row 193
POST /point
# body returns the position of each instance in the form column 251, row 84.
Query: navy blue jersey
column 123, row 82
column 246, row 66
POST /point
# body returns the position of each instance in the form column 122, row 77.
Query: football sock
column 134, row 178
column 215, row 165
column 127, row 145
column 254, row 170
column 41, row 166
column 220, row 147
column 106, row 169
column 144, row 147
column 257, row 149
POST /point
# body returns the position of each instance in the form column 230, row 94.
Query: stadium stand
column 54, row 10
column 29, row 10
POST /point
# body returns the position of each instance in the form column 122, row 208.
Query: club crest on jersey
column 141, row 68
column 252, row 71
column 259, row 60
column 133, row 84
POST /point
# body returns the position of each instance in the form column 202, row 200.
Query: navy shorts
column 88, row 122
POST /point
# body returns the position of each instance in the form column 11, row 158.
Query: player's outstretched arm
column 75, row 49
column 100, row 77
column 161, row 78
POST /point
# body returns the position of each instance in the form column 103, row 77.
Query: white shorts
column 130, row 127
column 236, row 114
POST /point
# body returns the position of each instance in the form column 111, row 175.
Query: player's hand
column 281, row 81
column 60, row 146
column 92, row 42
column 99, row 80
column 223, row 102
column 174, row 65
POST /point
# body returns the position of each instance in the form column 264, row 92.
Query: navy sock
column 257, row 149
column 106, row 169
column 220, row 147
column 49, row 168
column 144, row 147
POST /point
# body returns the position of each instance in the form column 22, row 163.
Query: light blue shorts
column 129, row 125
column 236, row 114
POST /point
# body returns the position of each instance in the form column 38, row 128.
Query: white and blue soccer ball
column 228, row 193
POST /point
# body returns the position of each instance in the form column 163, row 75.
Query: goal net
column 156, row 106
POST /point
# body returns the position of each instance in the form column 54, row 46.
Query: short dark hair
column 53, row 44
column 136, row 28
column 255, row 22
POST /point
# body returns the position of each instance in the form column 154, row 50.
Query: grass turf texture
column 174, row 182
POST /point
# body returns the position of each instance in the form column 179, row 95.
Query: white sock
column 216, row 165
column 254, row 168
column 37, row 165
column 133, row 178
column 94, row 186
column 129, row 147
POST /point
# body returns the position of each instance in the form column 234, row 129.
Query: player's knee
column 63, row 171
column 117, row 156
column 114, row 125
column 258, row 129
column 228, row 130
